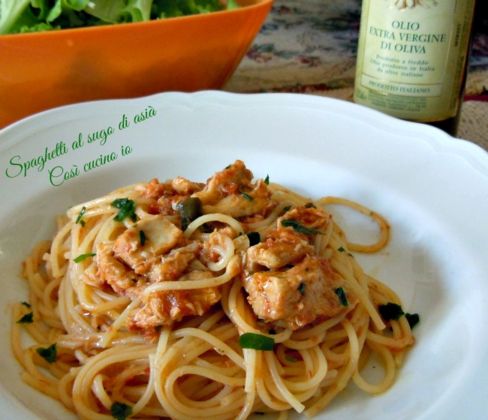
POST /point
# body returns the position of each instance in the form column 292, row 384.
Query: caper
column 189, row 209
column 254, row 238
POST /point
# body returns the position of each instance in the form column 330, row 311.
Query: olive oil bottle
column 412, row 58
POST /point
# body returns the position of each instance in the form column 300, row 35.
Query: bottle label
column 412, row 56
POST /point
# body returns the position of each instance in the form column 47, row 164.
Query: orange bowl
column 47, row 69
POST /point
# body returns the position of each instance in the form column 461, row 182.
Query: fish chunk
column 231, row 191
column 280, row 247
column 160, row 236
column 162, row 197
column 177, row 186
column 172, row 266
column 226, row 182
column 295, row 297
column 312, row 219
column 111, row 271
column 245, row 203
column 167, row 307
column 183, row 186
column 290, row 242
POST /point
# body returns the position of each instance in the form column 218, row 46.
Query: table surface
column 310, row 47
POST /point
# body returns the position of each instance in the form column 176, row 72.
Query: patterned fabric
column 310, row 46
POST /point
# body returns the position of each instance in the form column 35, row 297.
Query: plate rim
column 474, row 155
column 443, row 142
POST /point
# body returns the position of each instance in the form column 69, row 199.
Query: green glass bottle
column 412, row 58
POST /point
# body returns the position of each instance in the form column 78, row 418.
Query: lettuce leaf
column 116, row 11
column 42, row 15
column 174, row 8
column 14, row 14
column 38, row 27
column 232, row 4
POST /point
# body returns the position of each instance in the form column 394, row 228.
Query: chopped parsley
column 266, row 180
column 26, row 304
column 301, row 288
column 48, row 353
column 83, row 257
column 341, row 294
column 120, row 411
column 26, row 319
column 390, row 311
column 127, row 208
column 256, row 342
column 79, row 219
column 246, row 196
column 142, row 237
column 341, row 249
column 299, row 227
column 254, row 238
column 413, row 319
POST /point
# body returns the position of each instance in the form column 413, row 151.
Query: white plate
column 432, row 188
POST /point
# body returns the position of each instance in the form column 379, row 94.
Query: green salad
column 19, row 16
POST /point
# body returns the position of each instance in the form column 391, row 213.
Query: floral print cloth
column 310, row 46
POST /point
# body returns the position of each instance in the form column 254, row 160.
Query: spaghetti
column 152, row 302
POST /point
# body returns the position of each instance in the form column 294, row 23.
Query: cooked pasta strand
column 132, row 310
